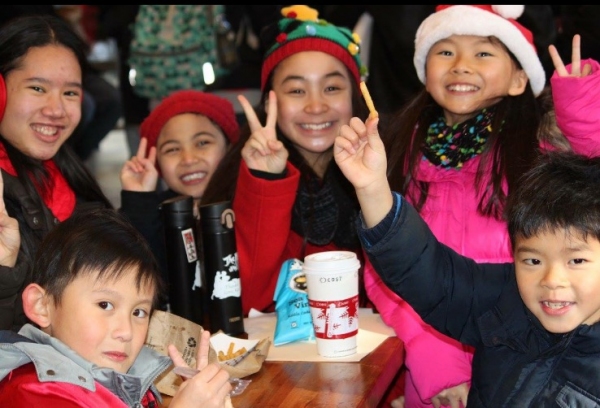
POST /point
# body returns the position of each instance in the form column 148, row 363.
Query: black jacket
column 517, row 363
column 35, row 221
column 143, row 211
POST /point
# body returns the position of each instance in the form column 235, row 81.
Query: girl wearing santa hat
column 455, row 152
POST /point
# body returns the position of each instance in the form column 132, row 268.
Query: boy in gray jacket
column 96, row 284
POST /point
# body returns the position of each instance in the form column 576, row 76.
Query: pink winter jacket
column 434, row 361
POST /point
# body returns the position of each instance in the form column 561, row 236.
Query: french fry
column 231, row 354
column 372, row 111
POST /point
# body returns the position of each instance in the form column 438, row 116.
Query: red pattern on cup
column 335, row 319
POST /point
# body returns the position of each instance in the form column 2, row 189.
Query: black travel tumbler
column 185, row 287
column 223, row 286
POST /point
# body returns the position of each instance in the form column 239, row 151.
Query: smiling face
column 558, row 274
column 106, row 322
column 466, row 73
column 43, row 101
column 314, row 99
column 189, row 149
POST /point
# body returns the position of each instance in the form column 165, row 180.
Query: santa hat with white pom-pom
column 481, row 20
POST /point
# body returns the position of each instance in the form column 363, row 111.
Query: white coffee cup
column 332, row 288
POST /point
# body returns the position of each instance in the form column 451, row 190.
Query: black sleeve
column 143, row 211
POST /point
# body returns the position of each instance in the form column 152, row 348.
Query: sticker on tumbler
column 335, row 319
column 190, row 244
column 197, row 278
column 227, row 283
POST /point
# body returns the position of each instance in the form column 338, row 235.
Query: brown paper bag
column 167, row 328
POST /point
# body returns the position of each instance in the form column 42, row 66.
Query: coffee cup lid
column 334, row 260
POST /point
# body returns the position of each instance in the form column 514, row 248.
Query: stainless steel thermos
column 223, row 286
column 185, row 287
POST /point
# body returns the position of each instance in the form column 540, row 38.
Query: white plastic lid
column 334, row 261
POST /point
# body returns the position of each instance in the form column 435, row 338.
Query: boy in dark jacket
column 534, row 322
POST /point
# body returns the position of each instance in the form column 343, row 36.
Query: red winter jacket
column 264, row 238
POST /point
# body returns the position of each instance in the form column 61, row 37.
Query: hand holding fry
column 360, row 154
column 208, row 387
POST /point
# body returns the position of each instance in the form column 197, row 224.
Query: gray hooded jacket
column 56, row 362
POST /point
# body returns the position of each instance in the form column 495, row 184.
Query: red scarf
column 59, row 197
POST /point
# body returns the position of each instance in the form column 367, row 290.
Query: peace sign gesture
column 263, row 151
column 576, row 69
column 139, row 173
column 10, row 237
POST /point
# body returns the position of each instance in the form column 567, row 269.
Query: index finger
column 203, row 348
column 141, row 152
column 251, row 117
column 559, row 66
column 576, row 55
column 272, row 110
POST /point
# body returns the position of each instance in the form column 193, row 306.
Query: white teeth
column 463, row 88
column 314, row 126
column 46, row 130
column 194, row 176
column 556, row 305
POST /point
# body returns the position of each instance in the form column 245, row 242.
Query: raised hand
column 576, row 69
column 10, row 237
column 209, row 388
column 139, row 173
column 359, row 152
column 263, row 151
column 360, row 155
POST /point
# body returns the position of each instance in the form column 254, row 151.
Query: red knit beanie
column 217, row 109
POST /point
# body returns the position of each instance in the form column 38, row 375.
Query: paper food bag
column 167, row 328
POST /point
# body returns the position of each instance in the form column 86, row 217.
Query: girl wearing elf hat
column 289, row 196
column 455, row 153
column 183, row 140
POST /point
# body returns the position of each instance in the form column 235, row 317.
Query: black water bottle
column 223, row 286
column 185, row 284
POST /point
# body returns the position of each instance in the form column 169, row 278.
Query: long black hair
column 17, row 37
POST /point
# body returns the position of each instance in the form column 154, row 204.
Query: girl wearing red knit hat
column 183, row 140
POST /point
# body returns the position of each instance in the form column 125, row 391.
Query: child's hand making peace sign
column 576, row 69
column 263, row 151
column 10, row 237
column 139, row 173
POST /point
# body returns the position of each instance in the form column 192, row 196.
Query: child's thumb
column 372, row 130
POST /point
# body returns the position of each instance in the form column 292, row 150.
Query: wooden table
column 324, row 384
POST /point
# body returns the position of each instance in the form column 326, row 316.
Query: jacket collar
column 54, row 361
column 512, row 324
